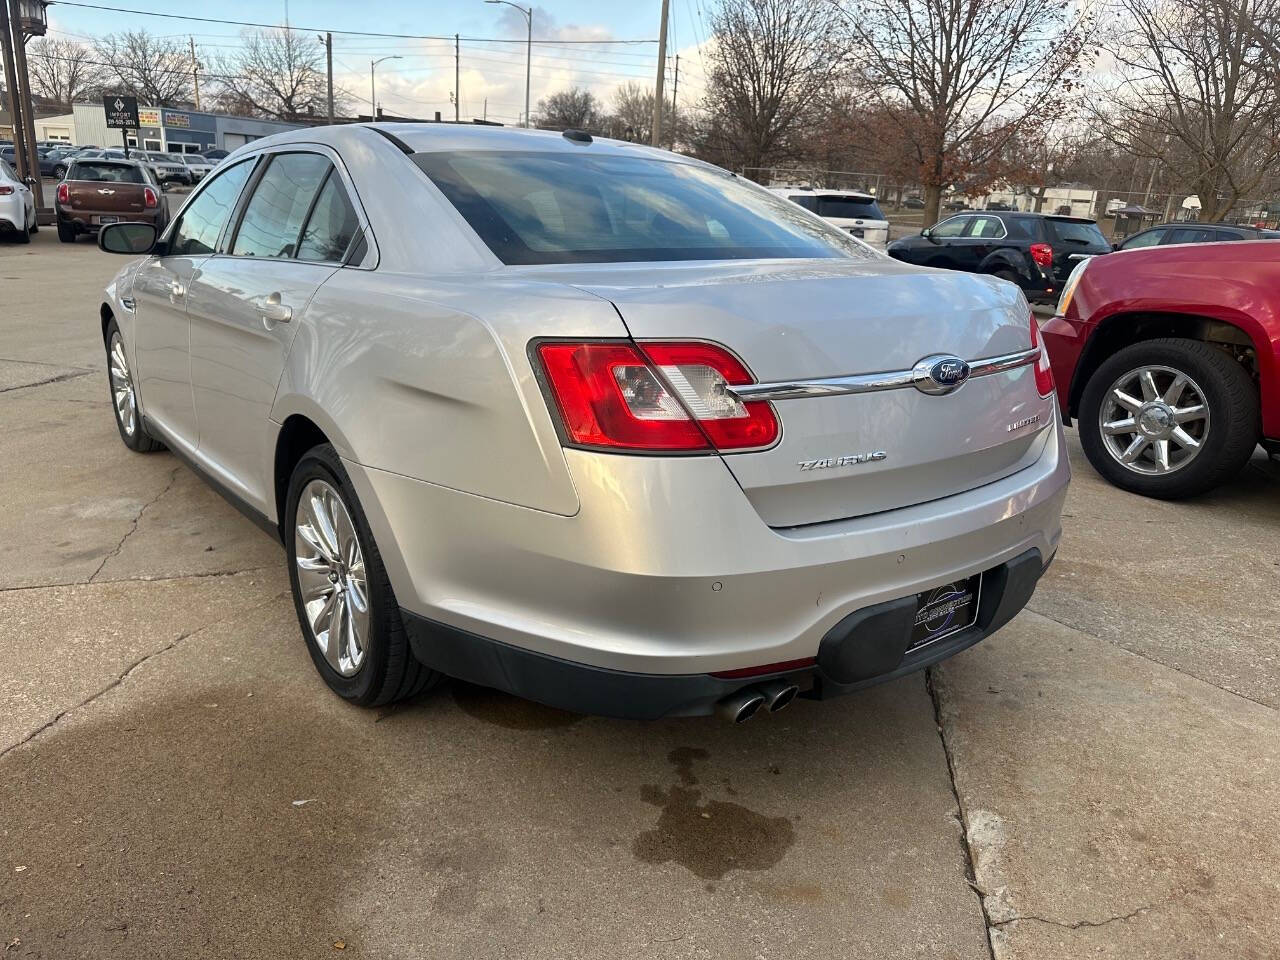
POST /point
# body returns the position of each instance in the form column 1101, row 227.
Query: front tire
column 1169, row 418
column 345, row 604
column 124, row 396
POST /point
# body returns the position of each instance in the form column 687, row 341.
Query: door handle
column 272, row 309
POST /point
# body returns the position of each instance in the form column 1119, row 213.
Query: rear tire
column 66, row 232
column 384, row 669
column 1225, row 438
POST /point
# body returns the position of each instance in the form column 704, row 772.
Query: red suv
column 1169, row 358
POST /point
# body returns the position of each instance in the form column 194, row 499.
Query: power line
column 349, row 33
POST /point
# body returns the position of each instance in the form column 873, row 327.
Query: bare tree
column 964, row 77
column 156, row 70
column 632, row 112
column 1196, row 91
column 275, row 73
column 64, row 70
column 766, row 68
column 574, row 109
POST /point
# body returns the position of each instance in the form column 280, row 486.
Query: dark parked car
column 913, row 203
column 1034, row 250
column 1193, row 232
column 215, row 154
column 998, row 205
column 955, row 205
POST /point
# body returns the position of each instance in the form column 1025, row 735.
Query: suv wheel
column 124, row 397
column 66, row 232
column 345, row 604
column 1169, row 418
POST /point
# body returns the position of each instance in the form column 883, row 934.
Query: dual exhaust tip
column 741, row 706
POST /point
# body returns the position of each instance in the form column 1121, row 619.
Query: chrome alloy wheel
column 1154, row 420
column 122, row 388
column 331, row 577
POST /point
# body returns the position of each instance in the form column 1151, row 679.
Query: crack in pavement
column 44, row 383
column 141, row 579
column 121, row 678
column 173, row 478
column 971, row 871
column 1081, row 924
column 1142, row 656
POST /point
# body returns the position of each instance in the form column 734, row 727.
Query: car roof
column 1192, row 224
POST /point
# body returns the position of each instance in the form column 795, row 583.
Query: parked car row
column 185, row 168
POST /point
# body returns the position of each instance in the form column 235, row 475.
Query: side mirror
column 30, row 181
column 128, row 238
column 927, row 233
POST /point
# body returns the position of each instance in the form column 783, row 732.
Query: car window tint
column 1228, row 235
column 806, row 200
column 985, row 228
column 541, row 207
column 1148, row 239
column 331, row 226
column 202, row 221
column 950, row 228
column 1022, row 228
column 1190, row 235
column 273, row 216
column 853, row 208
column 107, row 172
column 1073, row 231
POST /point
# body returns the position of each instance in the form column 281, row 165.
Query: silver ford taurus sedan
column 596, row 424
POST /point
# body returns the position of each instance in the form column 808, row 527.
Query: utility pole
column 528, row 65
column 457, row 79
column 655, row 137
column 675, row 92
column 17, row 109
column 486, row 108
column 327, row 40
column 16, row 26
column 195, row 70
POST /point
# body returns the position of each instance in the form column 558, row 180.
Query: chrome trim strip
column 872, row 382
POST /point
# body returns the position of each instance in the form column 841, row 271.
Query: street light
column 528, row 51
column 373, row 93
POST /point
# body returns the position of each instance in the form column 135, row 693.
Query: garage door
column 232, row 140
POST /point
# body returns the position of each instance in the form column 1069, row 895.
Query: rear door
column 1190, row 235
column 246, row 303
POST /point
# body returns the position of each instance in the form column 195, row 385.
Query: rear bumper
column 667, row 569
column 866, row 648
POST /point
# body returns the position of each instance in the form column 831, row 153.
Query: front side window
column 1148, row 239
column 331, row 227
column 985, row 228
column 203, row 219
column 543, row 207
column 273, row 217
column 1190, row 235
column 950, row 228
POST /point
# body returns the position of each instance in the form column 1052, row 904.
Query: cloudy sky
column 492, row 62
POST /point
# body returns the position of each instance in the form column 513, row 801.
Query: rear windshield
column 850, row 207
column 1073, row 231
column 535, row 208
column 107, row 172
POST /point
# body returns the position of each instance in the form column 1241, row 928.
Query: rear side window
column 1229, row 235
column 806, row 200
column 1074, row 231
column 851, row 208
column 203, row 219
column 107, row 173
column 281, row 200
column 331, row 226
column 986, row 228
column 1190, row 235
column 1023, row 228
column 552, row 207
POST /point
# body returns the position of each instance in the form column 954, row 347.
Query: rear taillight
column 1042, row 254
column 5, row 190
column 1044, row 373
column 149, row 197
column 655, row 397
column 64, row 193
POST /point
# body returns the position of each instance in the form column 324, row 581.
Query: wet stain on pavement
column 505, row 710
column 708, row 839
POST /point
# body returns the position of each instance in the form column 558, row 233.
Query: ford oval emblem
column 940, row 374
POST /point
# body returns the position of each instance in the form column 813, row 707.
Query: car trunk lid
column 848, row 455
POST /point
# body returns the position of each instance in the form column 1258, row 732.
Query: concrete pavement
column 176, row 781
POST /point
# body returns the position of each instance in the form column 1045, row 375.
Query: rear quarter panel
column 1237, row 283
column 430, row 379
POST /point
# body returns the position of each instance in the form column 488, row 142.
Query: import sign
column 122, row 111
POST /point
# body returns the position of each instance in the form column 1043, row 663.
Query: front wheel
column 1169, row 418
column 344, row 600
column 124, row 397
